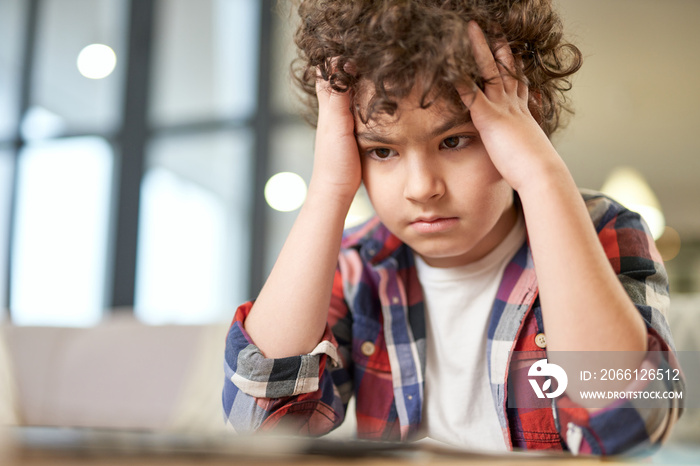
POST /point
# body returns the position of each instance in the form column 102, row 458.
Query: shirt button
column 395, row 300
column 367, row 348
column 541, row 340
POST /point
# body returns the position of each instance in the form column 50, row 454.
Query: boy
column 480, row 243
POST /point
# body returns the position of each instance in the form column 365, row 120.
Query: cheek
column 376, row 183
column 383, row 195
column 491, row 179
column 379, row 195
column 367, row 179
column 478, row 179
column 496, row 191
column 488, row 170
column 482, row 191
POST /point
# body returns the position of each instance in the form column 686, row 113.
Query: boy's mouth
column 433, row 224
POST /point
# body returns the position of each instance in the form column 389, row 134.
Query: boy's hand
column 337, row 170
column 290, row 314
column 518, row 147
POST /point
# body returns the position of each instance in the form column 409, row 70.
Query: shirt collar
column 375, row 242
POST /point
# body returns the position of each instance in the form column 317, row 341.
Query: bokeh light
column 96, row 61
column 669, row 244
column 285, row 191
column 627, row 186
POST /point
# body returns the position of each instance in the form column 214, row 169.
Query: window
column 60, row 237
column 6, row 174
column 58, row 89
column 71, row 234
column 205, row 60
column 195, row 223
column 11, row 32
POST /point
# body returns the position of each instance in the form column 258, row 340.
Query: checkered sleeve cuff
column 262, row 377
column 626, row 424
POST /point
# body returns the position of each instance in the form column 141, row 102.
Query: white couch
column 121, row 374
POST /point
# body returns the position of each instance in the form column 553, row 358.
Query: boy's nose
column 423, row 182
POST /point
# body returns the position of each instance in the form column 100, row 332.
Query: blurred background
column 139, row 142
column 152, row 162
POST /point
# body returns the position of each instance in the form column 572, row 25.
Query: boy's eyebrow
column 449, row 124
column 372, row 136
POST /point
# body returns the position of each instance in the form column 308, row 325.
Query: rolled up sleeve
column 626, row 424
column 259, row 390
column 631, row 423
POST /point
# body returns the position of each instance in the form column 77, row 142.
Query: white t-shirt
column 458, row 407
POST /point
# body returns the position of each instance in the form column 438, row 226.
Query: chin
column 441, row 254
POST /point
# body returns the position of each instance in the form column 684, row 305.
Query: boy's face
column 433, row 184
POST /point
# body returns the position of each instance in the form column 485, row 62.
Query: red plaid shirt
column 374, row 349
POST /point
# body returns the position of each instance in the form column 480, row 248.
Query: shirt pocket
column 531, row 418
column 374, row 388
column 369, row 345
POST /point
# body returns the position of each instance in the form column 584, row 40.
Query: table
column 64, row 447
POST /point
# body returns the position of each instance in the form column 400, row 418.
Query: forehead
column 411, row 126
column 410, row 121
column 436, row 107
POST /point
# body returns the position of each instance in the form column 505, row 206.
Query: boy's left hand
column 517, row 145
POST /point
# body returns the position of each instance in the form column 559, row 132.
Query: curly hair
column 401, row 45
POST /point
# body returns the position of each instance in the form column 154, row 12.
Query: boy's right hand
column 337, row 170
column 289, row 317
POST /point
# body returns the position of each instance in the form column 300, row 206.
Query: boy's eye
column 382, row 153
column 455, row 142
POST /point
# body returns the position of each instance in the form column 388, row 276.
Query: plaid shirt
column 374, row 348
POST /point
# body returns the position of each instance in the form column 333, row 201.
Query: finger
column 471, row 96
column 328, row 98
column 323, row 90
column 339, row 102
column 483, row 57
column 506, row 66
column 523, row 88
